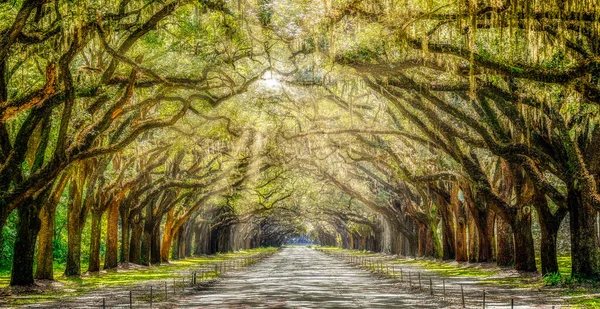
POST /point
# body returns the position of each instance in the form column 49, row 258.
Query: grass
column 578, row 296
column 86, row 283
column 449, row 269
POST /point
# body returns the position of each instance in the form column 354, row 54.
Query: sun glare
column 270, row 81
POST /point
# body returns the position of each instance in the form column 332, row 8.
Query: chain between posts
column 451, row 294
column 145, row 297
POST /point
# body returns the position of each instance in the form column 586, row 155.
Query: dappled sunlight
column 457, row 138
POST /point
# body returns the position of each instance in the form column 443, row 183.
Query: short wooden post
column 483, row 295
column 444, row 289
column 103, row 303
column 462, row 295
column 420, row 287
column 150, row 297
column 174, row 287
column 512, row 303
column 430, row 286
column 130, row 299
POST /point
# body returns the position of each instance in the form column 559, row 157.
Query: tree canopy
column 142, row 131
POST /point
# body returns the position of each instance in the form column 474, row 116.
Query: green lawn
column 120, row 278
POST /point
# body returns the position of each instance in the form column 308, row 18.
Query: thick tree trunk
column 524, row 248
column 505, row 244
column 45, row 256
column 95, row 235
column 181, row 243
column 460, row 215
column 548, row 250
column 28, row 226
column 200, row 244
column 135, row 245
column 448, row 248
column 155, row 245
column 473, row 240
column 45, row 260
column 549, row 226
column 112, row 236
column 45, row 269
column 125, row 234
column 167, row 240
column 174, row 247
column 426, row 247
column 584, row 251
column 189, row 240
column 146, row 256
column 75, row 222
column 485, row 245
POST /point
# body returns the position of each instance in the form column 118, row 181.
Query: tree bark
column 473, row 240
column 135, row 245
column 448, row 247
column 95, row 235
column 505, row 244
column 167, row 241
column 584, row 252
column 112, row 236
column 549, row 226
column 75, row 222
column 189, row 239
column 125, row 235
column 155, row 244
column 45, row 260
column 174, row 247
column 28, row 226
column 45, row 267
column 523, row 239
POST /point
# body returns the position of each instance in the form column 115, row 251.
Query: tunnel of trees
column 143, row 131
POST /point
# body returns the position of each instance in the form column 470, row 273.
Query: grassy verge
column 69, row 287
column 576, row 295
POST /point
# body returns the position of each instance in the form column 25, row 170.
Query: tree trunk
column 505, row 244
column 181, row 243
column 460, row 216
column 485, row 245
column 45, row 261
column 584, row 251
column 125, row 236
column 135, row 245
column 473, row 241
column 95, row 235
column 167, row 241
column 174, row 247
column 112, row 236
column 45, row 269
column 75, row 222
column 426, row 247
column 523, row 239
column 549, row 226
column 147, row 242
column 189, row 239
column 28, row 226
column 201, row 231
column 155, row 245
column 448, row 248
column 45, row 257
